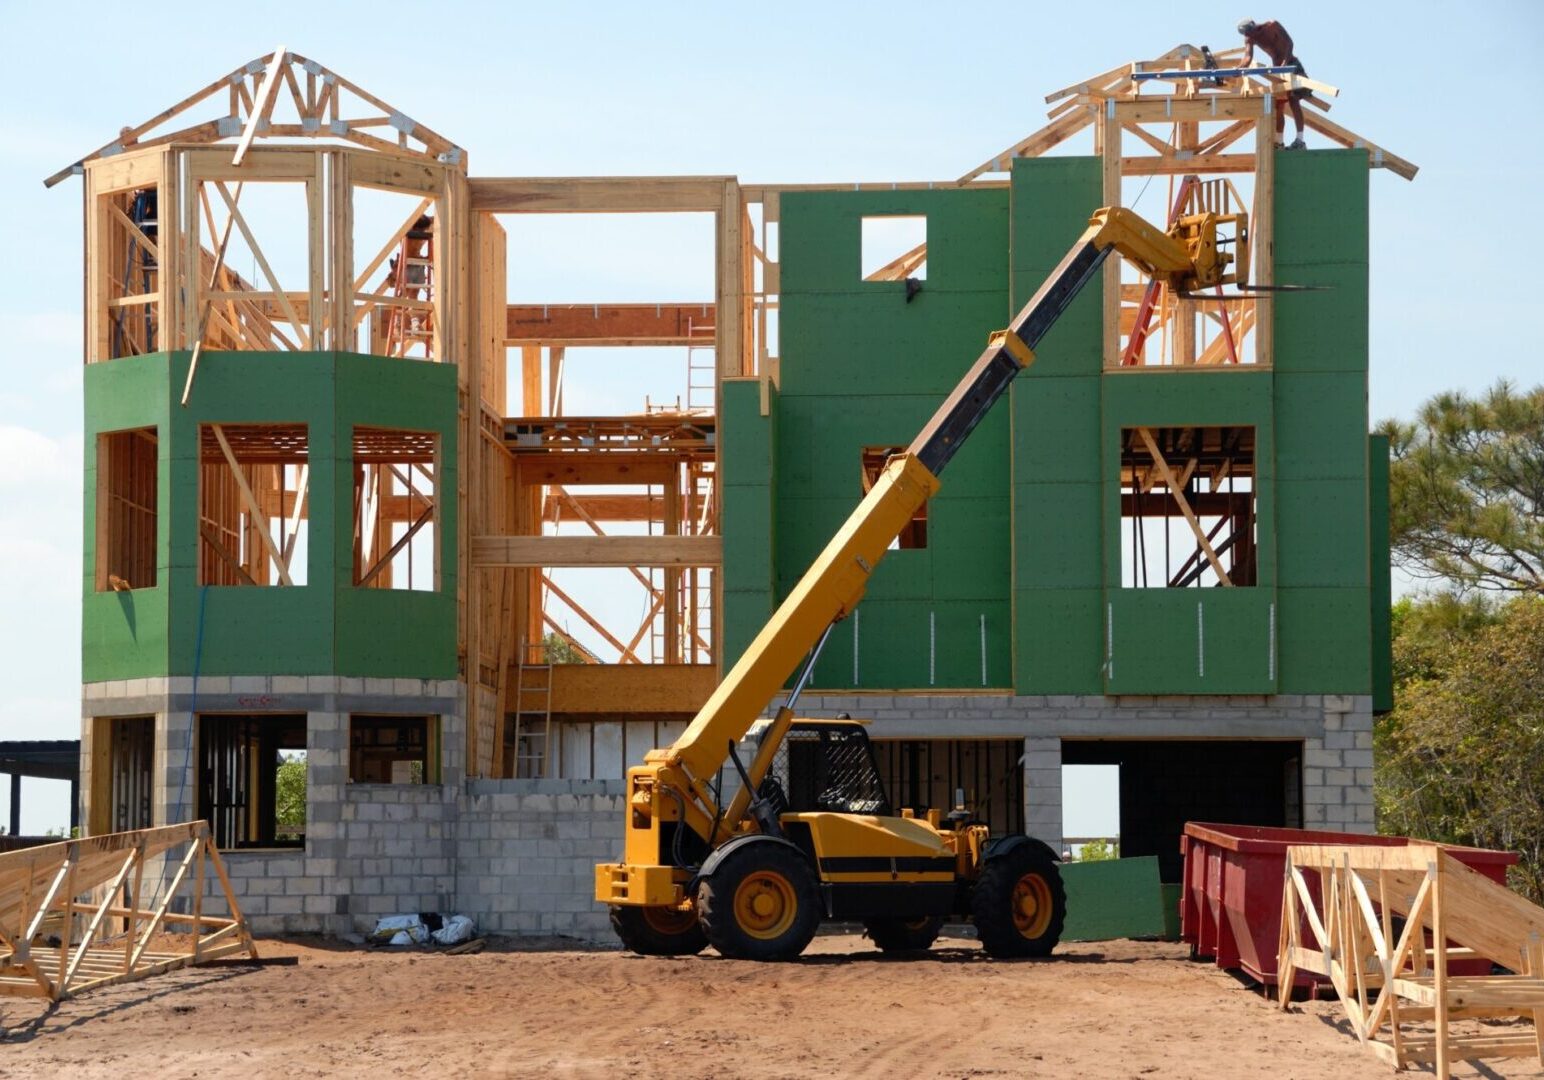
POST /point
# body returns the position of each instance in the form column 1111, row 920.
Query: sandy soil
column 1113, row 1009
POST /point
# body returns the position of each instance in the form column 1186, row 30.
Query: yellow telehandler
column 810, row 834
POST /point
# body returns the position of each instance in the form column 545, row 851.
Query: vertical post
column 16, row 804
column 671, row 608
column 74, row 801
column 1110, row 148
column 1439, row 966
column 201, row 845
column 1262, row 230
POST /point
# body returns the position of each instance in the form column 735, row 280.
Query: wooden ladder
column 533, row 697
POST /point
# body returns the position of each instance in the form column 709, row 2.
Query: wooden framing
column 432, row 286
column 119, row 934
column 1187, row 127
column 318, row 104
column 1339, row 908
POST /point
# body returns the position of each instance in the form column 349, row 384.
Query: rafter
column 342, row 111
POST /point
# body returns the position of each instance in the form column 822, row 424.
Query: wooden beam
column 577, row 468
column 262, row 107
column 597, row 195
column 609, row 324
column 581, row 690
column 597, row 551
column 1184, row 506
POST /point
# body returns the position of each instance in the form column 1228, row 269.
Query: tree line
column 1460, row 759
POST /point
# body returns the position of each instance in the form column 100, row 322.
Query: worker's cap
column 1246, row 26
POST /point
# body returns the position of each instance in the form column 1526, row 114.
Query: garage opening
column 1165, row 783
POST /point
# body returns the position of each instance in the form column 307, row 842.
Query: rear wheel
column 761, row 903
column 1020, row 904
column 904, row 935
column 658, row 931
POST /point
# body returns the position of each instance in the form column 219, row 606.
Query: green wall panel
column 1190, row 641
column 1116, row 898
column 1055, row 429
column 1056, row 541
column 1323, row 532
column 125, row 634
column 1052, row 201
column 1321, row 420
column 270, row 630
column 1056, row 451
column 863, row 367
column 1059, row 641
column 1323, row 641
column 1381, row 588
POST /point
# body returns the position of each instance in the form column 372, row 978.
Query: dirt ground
column 1111, row 1009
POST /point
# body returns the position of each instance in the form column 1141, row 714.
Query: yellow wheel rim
column 669, row 921
column 765, row 905
column 1032, row 905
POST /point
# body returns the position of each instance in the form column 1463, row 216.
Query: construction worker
column 1275, row 42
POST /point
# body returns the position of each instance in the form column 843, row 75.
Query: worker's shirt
column 1272, row 38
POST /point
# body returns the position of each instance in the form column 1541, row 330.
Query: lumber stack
column 1384, row 924
column 85, row 913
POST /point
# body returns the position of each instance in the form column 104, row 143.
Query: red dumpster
column 1230, row 901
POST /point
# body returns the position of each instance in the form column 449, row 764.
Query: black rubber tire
column 992, row 904
column 641, row 931
column 716, row 907
column 904, row 935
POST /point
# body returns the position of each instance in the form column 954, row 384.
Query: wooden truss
column 1202, row 133
column 1236, row 104
column 55, row 944
column 280, row 95
column 1386, row 925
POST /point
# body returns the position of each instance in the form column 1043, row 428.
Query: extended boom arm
column 1186, row 258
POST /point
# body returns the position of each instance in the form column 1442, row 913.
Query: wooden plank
column 262, row 106
column 597, row 195
column 609, row 324
column 253, row 507
column 596, row 551
column 617, row 690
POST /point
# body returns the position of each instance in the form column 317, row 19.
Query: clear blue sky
column 789, row 92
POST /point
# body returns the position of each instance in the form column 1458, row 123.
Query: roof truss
column 280, row 95
column 1078, row 106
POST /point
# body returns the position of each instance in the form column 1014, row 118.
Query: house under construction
column 337, row 512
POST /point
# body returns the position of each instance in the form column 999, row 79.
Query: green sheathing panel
column 1381, row 587
column 746, row 485
column 246, row 630
column 1117, row 898
column 863, row 367
column 1191, row 641
column 124, row 634
column 1327, row 642
column 394, row 632
column 322, row 627
column 1054, row 408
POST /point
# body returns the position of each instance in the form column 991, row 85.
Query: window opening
column 253, row 481
column 914, row 534
column 396, row 509
column 134, row 272
column 894, row 248
column 1188, row 512
column 252, row 779
column 393, row 750
column 126, row 510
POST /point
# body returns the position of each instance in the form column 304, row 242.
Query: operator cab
column 824, row 765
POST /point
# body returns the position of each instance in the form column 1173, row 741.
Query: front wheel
column 762, row 903
column 1019, row 904
column 904, row 935
column 658, row 931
